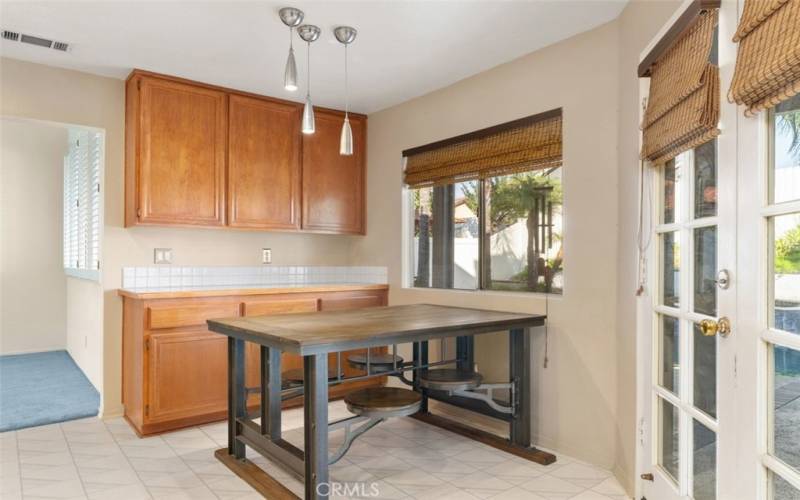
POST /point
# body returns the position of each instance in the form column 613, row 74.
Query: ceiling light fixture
column 309, row 33
column 292, row 18
column 345, row 35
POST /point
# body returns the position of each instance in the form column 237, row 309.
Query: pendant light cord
column 346, row 84
column 308, row 69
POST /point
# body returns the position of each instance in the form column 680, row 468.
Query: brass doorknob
column 709, row 327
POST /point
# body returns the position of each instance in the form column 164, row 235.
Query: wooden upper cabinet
column 264, row 154
column 200, row 155
column 333, row 185
column 177, row 135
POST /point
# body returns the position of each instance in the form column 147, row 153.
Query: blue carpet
column 43, row 388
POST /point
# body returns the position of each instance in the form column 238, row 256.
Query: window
column 83, row 165
column 487, row 208
column 518, row 247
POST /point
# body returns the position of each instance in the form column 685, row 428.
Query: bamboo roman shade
column 683, row 105
column 768, row 61
column 523, row 145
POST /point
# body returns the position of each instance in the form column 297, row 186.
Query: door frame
column 646, row 307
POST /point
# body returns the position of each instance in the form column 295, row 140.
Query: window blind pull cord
column 642, row 242
column 546, row 332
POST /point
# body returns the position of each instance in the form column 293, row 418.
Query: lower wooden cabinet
column 175, row 370
column 183, row 375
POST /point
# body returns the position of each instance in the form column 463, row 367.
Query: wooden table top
column 333, row 331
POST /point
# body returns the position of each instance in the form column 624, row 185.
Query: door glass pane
column 670, row 251
column 670, row 191
column 705, row 462
column 786, row 405
column 669, row 374
column 705, row 180
column 786, row 272
column 705, row 372
column 705, row 270
column 785, row 154
column 781, row 489
column 668, row 453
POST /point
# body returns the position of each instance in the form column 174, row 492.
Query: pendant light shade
column 308, row 117
column 346, row 35
column 290, row 74
column 346, row 139
column 291, row 17
column 309, row 33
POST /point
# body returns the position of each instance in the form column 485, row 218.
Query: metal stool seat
column 378, row 363
column 383, row 402
column 450, row 379
column 295, row 376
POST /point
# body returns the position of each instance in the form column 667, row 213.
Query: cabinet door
column 333, row 185
column 264, row 164
column 186, row 374
column 182, row 137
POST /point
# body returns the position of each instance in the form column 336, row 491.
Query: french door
column 719, row 329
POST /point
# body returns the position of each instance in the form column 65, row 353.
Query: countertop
column 223, row 290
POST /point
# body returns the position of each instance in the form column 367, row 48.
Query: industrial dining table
column 315, row 335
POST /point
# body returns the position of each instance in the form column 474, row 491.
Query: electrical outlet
column 162, row 256
column 266, row 256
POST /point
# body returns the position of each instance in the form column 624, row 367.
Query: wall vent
column 35, row 40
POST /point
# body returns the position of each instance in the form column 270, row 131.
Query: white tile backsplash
column 187, row 277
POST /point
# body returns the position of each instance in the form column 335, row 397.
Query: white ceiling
column 404, row 48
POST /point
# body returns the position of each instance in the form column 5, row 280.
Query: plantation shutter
column 768, row 59
column 683, row 105
column 82, row 165
column 531, row 143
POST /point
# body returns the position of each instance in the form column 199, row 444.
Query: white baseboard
column 33, row 351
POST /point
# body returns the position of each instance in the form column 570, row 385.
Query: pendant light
column 292, row 18
column 346, row 35
column 309, row 33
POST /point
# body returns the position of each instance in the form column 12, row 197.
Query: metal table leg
column 271, row 393
column 519, row 342
column 237, row 395
column 317, row 479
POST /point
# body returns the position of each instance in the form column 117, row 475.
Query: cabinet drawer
column 351, row 302
column 264, row 307
column 174, row 316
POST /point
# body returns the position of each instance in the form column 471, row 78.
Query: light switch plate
column 162, row 256
column 266, row 256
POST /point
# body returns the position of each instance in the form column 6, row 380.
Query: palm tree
column 513, row 197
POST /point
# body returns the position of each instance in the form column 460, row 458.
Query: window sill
column 84, row 274
column 488, row 293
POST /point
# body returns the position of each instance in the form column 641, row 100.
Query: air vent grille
column 14, row 36
column 35, row 40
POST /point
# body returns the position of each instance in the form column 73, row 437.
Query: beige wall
column 575, row 395
column 54, row 94
column 638, row 24
column 585, row 399
column 85, row 327
column 31, row 271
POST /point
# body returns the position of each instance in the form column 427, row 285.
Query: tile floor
column 403, row 458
